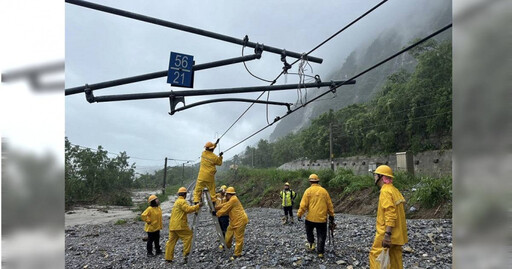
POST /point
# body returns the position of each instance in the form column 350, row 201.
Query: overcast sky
column 102, row 47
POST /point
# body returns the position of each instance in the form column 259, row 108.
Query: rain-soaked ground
column 268, row 244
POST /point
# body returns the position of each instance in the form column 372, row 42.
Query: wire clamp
column 333, row 87
column 89, row 96
column 286, row 66
column 289, row 110
column 317, row 79
column 258, row 49
column 246, row 40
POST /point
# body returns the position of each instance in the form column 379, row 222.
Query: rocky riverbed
column 268, row 244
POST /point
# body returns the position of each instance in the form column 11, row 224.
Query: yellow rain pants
column 185, row 236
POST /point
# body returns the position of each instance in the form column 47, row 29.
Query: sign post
column 180, row 71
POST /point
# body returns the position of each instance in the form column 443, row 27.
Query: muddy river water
column 95, row 214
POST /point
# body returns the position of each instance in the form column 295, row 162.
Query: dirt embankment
column 364, row 202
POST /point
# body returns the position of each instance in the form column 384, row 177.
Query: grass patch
column 120, row 222
column 348, row 182
column 433, row 191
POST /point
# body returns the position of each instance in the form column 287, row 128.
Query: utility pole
column 234, row 166
column 253, row 158
column 165, row 175
column 183, row 174
column 330, row 147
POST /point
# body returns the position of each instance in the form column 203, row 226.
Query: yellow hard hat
column 314, row 177
column 151, row 198
column 223, row 187
column 182, row 189
column 231, row 190
column 209, row 145
column 287, row 184
column 384, row 170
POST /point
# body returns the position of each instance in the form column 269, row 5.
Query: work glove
column 214, row 213
column 220, row 154
column 217, row 142
column 299, row 218
column 331, row 219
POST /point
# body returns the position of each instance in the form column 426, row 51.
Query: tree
column 92, row 177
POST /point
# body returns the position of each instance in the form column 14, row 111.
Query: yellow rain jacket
column 317, row 202
column 153, row 218
column 180, row 209
column 287, row 197
column 221, row 200
column 207, row 169
column 237, row 216
column 391, row 213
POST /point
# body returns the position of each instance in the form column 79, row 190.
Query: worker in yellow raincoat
column 178, row 226
column 207, row 170
column 317, row 202
column 391, row 228
column 153, row 218
column 223, row 220
column 237, row 221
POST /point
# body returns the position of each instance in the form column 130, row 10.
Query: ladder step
column 206, row 196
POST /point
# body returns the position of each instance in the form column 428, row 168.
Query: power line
column 245, row 65
column 353, row 78
column 337, row 33
column 305, row 56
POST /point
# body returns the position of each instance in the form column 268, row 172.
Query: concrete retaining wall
column 430, row 163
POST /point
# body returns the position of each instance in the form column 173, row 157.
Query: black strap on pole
column 189, row 29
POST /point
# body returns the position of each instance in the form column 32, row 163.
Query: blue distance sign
column 180, row 70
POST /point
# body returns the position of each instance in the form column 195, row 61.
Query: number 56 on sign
column 180, row 70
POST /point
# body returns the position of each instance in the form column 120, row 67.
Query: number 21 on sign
column 180, row 71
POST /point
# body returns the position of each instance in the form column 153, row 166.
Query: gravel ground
column 268, row 244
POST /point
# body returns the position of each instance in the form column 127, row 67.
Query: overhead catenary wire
column 352, row 78
column 306, row 55
column 246, row 68
column 335, row 34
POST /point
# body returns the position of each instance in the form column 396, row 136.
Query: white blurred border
column 32, row 122
column 33, row 33
column 482, row 141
